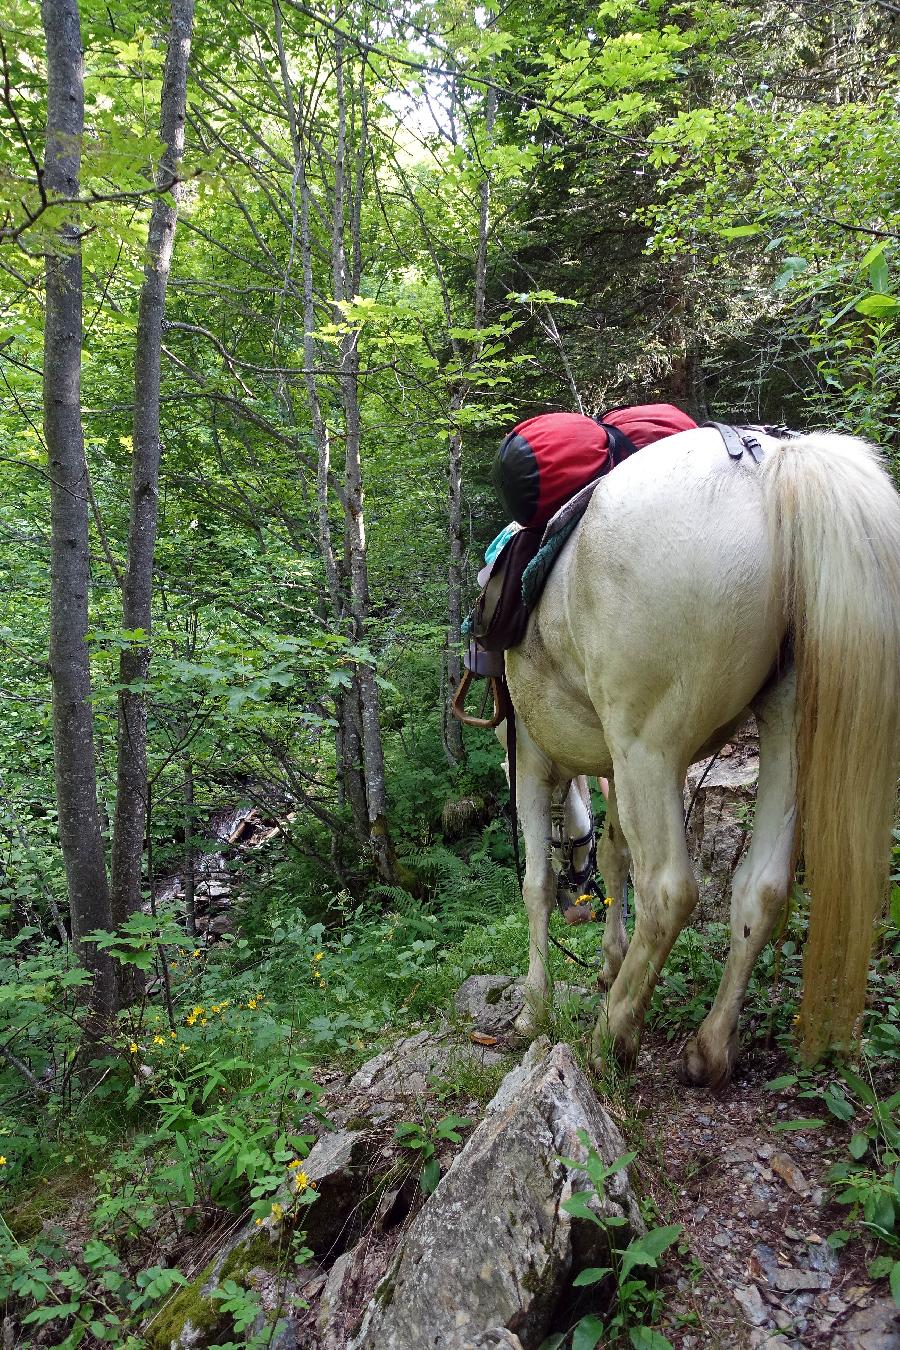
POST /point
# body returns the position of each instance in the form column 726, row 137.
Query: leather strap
column 737, row 440
column 620, row 446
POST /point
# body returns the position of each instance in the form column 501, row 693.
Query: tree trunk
column 131, row 787
column 81, row 838
column 453, row 739
column 348, row 190
column 190, row 902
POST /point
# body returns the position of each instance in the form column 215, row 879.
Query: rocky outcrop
column 493, row 1002
column 718, row 828
column 490, row 1255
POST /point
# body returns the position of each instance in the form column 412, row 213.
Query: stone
column 493, row 1247
column 876, row 1327
column 791, row 1280
column 336, row 1163
column 406, row 1070
column 717, row 831
column 751, row 1301
column 787, row 1169
column 493, row 1002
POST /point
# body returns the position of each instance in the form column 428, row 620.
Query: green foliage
column 632, row 1301
column 425, row 1137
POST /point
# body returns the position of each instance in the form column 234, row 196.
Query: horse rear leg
column 613, row 861
column 648, row 792
column 759, row 890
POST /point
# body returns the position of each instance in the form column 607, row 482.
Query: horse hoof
column 700, row 1068
column 618, row 1051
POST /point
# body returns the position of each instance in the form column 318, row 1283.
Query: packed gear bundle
column 545, row 460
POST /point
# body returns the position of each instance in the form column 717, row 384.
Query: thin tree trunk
column 81, row 838
column 131, row 788
column 453, row 740
column 190, row 905
column 348, row 186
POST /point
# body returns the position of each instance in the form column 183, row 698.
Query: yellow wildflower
column 189, row 1021
column 174, row 1035
column 182, row 1047
column 197, row 1011
column 584, row 899
column 259, row 1223
column 174, row 965
column 204, row 1021
column 301, row 1181
column 319, row 956
column 196, row 953
column 159, row 1040
column 133, row 1047
column 277, row 1211
column 2, row 1160
column 251, row 1002
column 609, row 901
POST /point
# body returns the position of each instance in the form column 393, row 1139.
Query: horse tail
column 835, row 520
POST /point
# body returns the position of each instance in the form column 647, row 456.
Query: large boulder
column 493, row 1251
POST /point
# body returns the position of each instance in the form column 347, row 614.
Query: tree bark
column 131, row 787
column 453, row 739
column 348, row 191
column 81, row 838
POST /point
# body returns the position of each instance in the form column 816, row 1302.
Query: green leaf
column 809, row 1123
column 895, row 1283
column 874, row 252
column 858, row 1145
column 838, row 1105
column 643, row 1251
column 590, row 1276
column 587, row 1334
column 790, row 268
column 878, row 273
column 645, row 1338
column 431, row 1175
column 876, row 306
column 779, row 1084
column 895, row 906
column 578, row 1205
column 839, row 1238
column 740, row 231
column 859, row 1087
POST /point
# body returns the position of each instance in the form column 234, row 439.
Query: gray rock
column 791, row 1280
column 492, row 1246
column 717, row 830
column 493, row 1002
column 876, row 1327
column 336, row 1163
column 751, row 1300
column 404, row 1071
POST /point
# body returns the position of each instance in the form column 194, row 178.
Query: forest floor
column 756, row 1211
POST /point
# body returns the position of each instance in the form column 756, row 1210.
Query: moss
column 188, row 1305
column 48, row 1199
column 384, row 1294
column 259, row 1252
column 359, row 1123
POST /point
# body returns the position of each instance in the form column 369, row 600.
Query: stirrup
column 458, row 702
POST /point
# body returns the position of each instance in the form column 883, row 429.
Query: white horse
column 697, row 587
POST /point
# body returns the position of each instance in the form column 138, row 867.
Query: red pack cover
column 547, row 459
